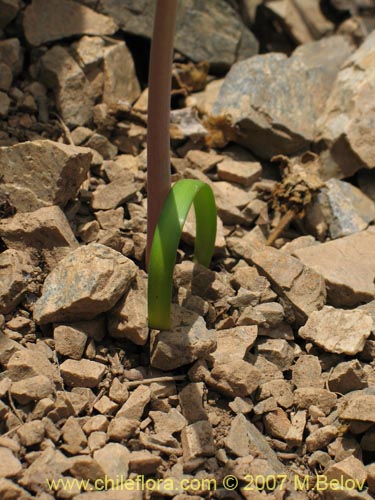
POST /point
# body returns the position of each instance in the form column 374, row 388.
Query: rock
column 349, row 468
column 191, row 401
column 233, row 343
column 87, row 282
column 121, row 87
column 183, row 344
column 46, row 230
column 234, row 378
column 338, row 330
column 302, row 290
column 278, row 351
column 74, row 94
column 345, row 125
column 69, row 341
column 205, row 99
column 58, row 171
column 244, row 173
column 11, row 53
column 173, row 421
column 266, row 96
column 135, row 405
column 9, row 10
column 280, row 390
column 73, row 436
column 197, row 440
column 114, row 460
column 346, row 377
column 128, row 319
column 307, row 371
column 62, row 19
column 294, row 436
column 9, row 465
column 11, row 491
column 211, row 32
column 31, row 433
column 82, row 373
column 26, row 363
column 304, row 397
column 277, row 424
column 333, row 259
column 237, row 440
column 202, row 160
column 32, row 389
column 122, row 428
column 4, row 105
column 110, row 196
column 15, row 274
column 346, row 208
column 359, row 408
column 144, row 462
column 249, row 278
column 321, row 437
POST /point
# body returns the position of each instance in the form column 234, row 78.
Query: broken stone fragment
column 58, row 171
column 233, row 343
column 191, row 400
column 69, row 341
column 304, row 397
column 197, row 440
column 111, row 195
column 134, row 406
column 15, row 274
column 9, row 465
column 321, row 437
column 306, row 372
column 332, row 260
column 234, row 378
column 85, row 283
column 32, row 389
column 82, row 373
column 31, row 433
column 338, row 330
column 182, row 344
column 360, row 407
column 11, row 53
column 244, row 173
column 58, row 19
column 46, row 230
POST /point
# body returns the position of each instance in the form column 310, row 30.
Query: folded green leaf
column 166, row 239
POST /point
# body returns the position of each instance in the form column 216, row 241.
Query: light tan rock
column 304, row 397
column 15, row 273
column 235, row 378
column 277, row 423
column 98, row 423
column 173, row 421
column 233, row 343
column 28, row 363
column 320, row 438
column 114, row 460
column 191, row 400
column 11, row 491
column 73, row 436
column 46, row 230
column 197, row 440
column 306, row 372
column 144, row 462
column 302, row 290
column 9, row 465
column 118, row 191
column 32, row 389
column 105, row 405
column 118, row 391
column 333, row 259
column 278, row 351
column 349, row 468
column 62, row 19
column 240, row 172
column 346, row 377
column 134, row 407
column 280, row 390
column 122, row 428
column 338, row 330
column 360, row 407
column 69, row 341
column 31, row 433
column 294, row 436
column 87, row 282
column 202, row 160
column 58, row 171
column 82, row 373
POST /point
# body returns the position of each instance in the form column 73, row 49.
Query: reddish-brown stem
column 158, row 139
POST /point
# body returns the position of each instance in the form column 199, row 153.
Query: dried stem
column 158, row 139
column 285, row 220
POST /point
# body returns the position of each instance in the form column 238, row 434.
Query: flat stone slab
column 338, row 330
column 86, row 283
column 347, row 266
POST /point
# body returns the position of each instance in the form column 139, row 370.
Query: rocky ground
column 266, row 384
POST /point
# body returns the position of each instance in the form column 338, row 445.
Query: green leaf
column 166, row 240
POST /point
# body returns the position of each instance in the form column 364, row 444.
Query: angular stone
column 266, row 95
column 244, row 173
column 278, row 351
column 205, row 31
column 233, row 343
column 15, row 274
column 73, row 91
column 26, row 363
column 321, row 437
column 234, row 378
column 9, row 10
column 277, row 423
column 182, row 345
column 346, row 377
column 46, row 230
column 338, row 330
column 83, row 373
column 278, row 389
column 307, row 371
column 304, row 397
column 110, row 196
column 349, row 468
column 31, row 433
column 191, row 401
column 87, row 282
column 11, row 53
column 346, row 124
column 58, row 171
column 114, row 460
column 333, row 259
column 32, row 389
column 361, row 407
column 9, row 465
column 202, row 160
column 128, row 319
column 302, row 289
column 69, row 341
column 11, row 491
column 121, row 87
column 294, row 436
column 135, row 405
column 173, row 421
column 73, row 436
column 197, row 440
column 122, row 428
column 55, row 20
column 144, row 462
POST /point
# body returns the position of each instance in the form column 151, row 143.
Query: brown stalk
column 158, row 139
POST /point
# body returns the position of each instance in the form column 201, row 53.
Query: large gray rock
column 347, row 125
column 274, row 100
column 347, row 266
column 84, row 284
column 205, row 31
column 42, row 173
column 56, row 19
